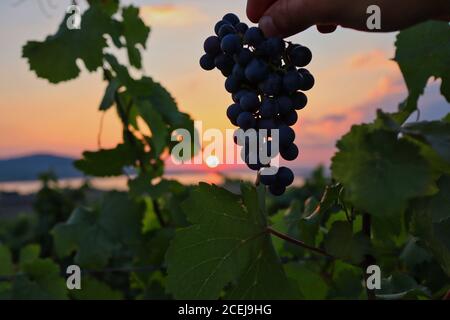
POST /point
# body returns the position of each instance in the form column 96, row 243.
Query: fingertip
column 326, row 28
column 251, row 14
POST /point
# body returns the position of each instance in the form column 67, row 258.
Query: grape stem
column 299, row 243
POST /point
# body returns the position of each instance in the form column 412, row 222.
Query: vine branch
column 299, row 243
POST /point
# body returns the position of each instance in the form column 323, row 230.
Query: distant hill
column 29, row 167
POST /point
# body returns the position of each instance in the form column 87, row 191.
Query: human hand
column 288, row 17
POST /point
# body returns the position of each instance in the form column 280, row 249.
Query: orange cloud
column 371, row 59
column 170, row 15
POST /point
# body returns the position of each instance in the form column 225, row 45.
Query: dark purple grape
column 300, row 100
column 238, row 72
column 256, row 71
column 207, row 62
column 219, row 25
column 276, row 47
column 232, row 84
column 285, row 105
column 272, row 85
column 212, row 46
column 300, row 56
column 277, row 190
column 231, row 44
column 231, row 18
column 308, row 80
column 290, row 118
column 244, row 57
column 241, row 27
column 266, row 178
column 286, row 135
column 238, row 95
column 254, row 36
column 269, row 108
column 292, row 81
column 224, row 63
column 289, row 153
column 284, row 177
column 226, row 29
column 233, row 113
column 250, row 101
column 246, row 120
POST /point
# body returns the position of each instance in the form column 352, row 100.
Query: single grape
column 267, row 179
column 224, row 63
column 275, row 47
column 300, row 100
column 300, row 56
column 250, row 101
column 233, row 113
column 212, row 45
column 238, row 95
column 292, row 81
column 231, row 44
column 231, row 18
column 241, row 27
column 284, row 177
column 308, row 82
column 289, row 153
column 269, row 108
column 219, row 25
column 256, row 71
column 207, row 62
column 272, row 85
column 226, row 29
column 286, row 135
column 246, row 120
column 244, row 57
column 285, row 105
column 254, row 36
column 277, row 190
column 232, row 84
column 238, row 72
column 290, row 118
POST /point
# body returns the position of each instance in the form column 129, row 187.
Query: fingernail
column 268, row 26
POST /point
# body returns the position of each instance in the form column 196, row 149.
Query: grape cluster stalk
column 266, row 78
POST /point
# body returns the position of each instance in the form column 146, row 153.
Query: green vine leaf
column 41, row 281
column 93, row 289
column 380, row 173
column 342, row 243
column 423, row 51
column 227, row 243
column 55, row 59
column 6, row 265
column 135, row 32
column 106, row 162
column 94, row 234
column 434, row 133
column 160, row 133
column 430, row 221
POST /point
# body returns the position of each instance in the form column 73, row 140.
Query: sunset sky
column 353, row 71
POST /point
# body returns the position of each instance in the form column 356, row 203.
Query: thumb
column 288, row 17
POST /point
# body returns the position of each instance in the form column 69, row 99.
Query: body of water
column 120, row 183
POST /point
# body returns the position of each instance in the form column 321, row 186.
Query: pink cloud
column 371, row 59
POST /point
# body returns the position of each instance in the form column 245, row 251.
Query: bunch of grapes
column 266, row 78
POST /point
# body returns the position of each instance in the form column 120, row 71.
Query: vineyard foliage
column 387, row 201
